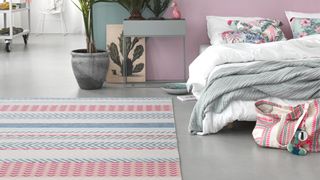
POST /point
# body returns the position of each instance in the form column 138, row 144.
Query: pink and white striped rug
column 89, row 138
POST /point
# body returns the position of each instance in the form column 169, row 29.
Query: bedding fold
column 292, row 80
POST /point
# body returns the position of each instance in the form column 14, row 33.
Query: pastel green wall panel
column 103, row 14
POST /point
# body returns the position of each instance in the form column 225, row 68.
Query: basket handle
column 282, row 122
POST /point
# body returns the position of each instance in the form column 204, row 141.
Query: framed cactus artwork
column 136, row 56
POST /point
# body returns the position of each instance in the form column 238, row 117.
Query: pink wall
column 165, row 55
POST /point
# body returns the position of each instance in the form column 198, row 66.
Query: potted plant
column 158, row 7
column 134, row 7
column 89, row 65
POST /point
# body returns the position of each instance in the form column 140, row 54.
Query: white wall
column 72, row 17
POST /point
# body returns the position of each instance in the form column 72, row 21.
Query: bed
column 203, row 47
column 224, row 79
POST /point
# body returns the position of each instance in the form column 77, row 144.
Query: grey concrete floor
column 43, row 69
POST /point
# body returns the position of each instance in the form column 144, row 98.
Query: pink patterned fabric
column 255, row 31
column 269, row 116
column 305, row 26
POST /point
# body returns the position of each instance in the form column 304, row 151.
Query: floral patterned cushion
column 304, row 27
column 242, row 37
column 258, row 31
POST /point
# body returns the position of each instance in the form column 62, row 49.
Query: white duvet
column 221, row 56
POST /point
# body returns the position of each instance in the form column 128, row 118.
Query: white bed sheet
column 236, row 55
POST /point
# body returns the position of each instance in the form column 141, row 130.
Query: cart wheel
column 25, row 38
column 8, row 46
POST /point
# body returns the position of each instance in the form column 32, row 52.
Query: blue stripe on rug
column 89, row 145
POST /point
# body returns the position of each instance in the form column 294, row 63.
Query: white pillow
column 218, row 24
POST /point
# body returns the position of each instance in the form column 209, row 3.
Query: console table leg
column 184, row 59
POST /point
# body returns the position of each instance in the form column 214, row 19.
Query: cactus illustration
column 138, row 51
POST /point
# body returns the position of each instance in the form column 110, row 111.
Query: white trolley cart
column 8, row 23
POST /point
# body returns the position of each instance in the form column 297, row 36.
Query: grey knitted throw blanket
column 292, row 80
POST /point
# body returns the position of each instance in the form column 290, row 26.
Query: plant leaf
column 114, row 54
column 134, row 42
column 138, row 52
column 76, row 5
column 157, row 7
column 128, row 46
column 138, row 68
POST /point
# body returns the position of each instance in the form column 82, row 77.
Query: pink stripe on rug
column 82, row 108
column 88, row 169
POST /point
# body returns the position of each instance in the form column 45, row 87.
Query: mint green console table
column 154, row 28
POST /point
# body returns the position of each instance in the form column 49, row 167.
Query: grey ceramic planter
column 90, row 69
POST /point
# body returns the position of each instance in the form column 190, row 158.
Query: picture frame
column 136, row 56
